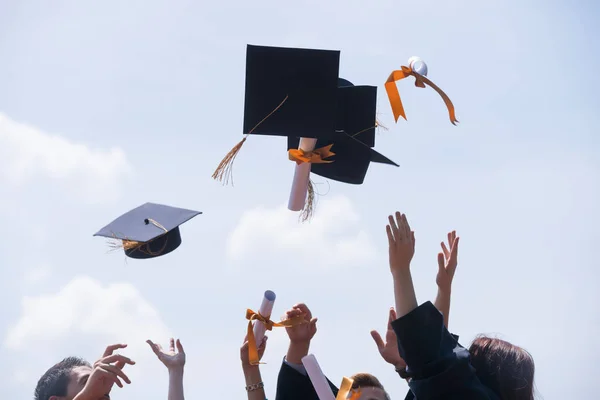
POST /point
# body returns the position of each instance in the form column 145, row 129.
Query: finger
column 406, row 226
column 441, row 263
column 378, row 340
column 180, row 346
column 263, row 343
column 302, row 307
column 117, row 357
column 412, row 237
column 401, row 225
column 394, row 227
column 108, row 375
column 159, row 347
column 120, row 364
column 390, row 235
column 153, row 347
column 393, row 314
column 110, row 349
column 454, row 254
column 391, row 318
column 312, row 325
column 172, row 345
column 115, row 371
column 445, row 250
column 453, row 237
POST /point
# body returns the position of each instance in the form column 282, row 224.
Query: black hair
column 55, row 381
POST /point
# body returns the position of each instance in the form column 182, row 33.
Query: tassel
column 308, row 210
column 223, row 171
column 380, row 125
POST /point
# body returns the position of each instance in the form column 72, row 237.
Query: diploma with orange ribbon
column 319, row 382
column 257, row 319
column 329, row 123
column 418, row 69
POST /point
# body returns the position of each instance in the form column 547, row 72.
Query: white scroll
column 318, row 379
column 266, row 308
column 301, row 177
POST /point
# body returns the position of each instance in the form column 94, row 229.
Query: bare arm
column 254, row 384
column 174, row 361
column 401, row 242
column 447, row 263
column 176, row 384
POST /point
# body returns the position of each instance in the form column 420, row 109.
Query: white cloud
column 332, row 236
column 27, row 152
column 85, row 312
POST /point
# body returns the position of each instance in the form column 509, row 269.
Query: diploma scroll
column 318, row 379
column 301, row 177
column 266, row 308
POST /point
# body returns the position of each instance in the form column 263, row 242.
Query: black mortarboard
column 353, row 138
column 307, row 78
column 148, row 231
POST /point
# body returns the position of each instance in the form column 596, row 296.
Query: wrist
column 176, row 371
column 401, row 273
column 252, row 374
column 297, row 350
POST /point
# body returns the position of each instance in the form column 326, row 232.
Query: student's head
column 370, row 387
column 503, row 367
column 64, row 380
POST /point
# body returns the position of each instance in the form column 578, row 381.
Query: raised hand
column 301, row 332
column 389, row 348
column 244, row 356
column 173, row 360
column 447, row 262
column 105, row 373
column 401, row 243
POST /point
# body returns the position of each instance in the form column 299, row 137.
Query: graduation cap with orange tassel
column 330, row 124
column 417, row 68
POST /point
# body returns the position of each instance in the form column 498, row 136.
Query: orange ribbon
column 316, row 156
column 269, row 325
column 420, row 81
column 345, row 389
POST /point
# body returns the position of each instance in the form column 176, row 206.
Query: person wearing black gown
column 439, row 367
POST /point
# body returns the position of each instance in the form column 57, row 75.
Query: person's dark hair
column 503, row 367
column 367, row 380
column 55, row 381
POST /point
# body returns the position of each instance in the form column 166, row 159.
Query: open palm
column 171, row 358
column 389, row 348
column 447, row 262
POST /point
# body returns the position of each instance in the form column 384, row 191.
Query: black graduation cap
column 353, row 138
column 289, row 92
column 148, row 231
column 307, row 79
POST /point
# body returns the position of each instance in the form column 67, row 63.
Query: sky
column 107, row 105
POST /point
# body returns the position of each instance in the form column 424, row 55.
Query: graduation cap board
column 418, row 69
column 295, row 93
column 148, row 231
column 352, row 143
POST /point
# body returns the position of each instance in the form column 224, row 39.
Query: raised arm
column 447, row 262
column 401, row 250
column 174, row 361
column 254, row 383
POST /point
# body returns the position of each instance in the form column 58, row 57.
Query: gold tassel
column 223, row 171
column 309, row 207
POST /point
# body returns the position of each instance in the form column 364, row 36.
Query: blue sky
column 107, row 105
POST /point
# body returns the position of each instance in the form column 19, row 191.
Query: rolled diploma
column 301, row 177
column 318, row 379
column 266, row 308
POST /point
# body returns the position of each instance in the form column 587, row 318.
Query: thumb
column 378, row 340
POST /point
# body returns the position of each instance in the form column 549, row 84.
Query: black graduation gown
column 439, row 366
column 292, row 385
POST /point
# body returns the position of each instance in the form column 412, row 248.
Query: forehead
column 372, row 393
column 80, row 372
